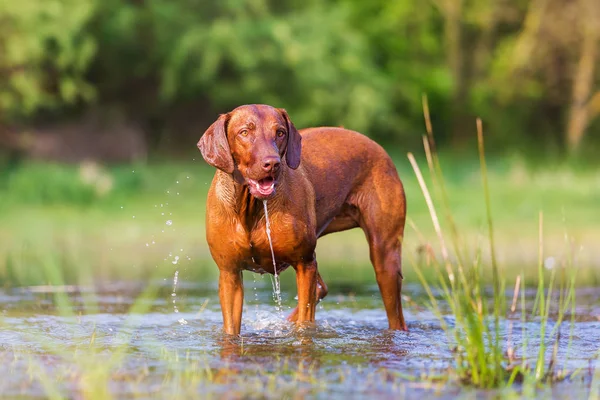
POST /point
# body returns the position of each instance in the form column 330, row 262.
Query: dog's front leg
column 231, row 294
column 321, row 293
column 306, row 280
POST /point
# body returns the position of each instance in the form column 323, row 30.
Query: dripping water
column 276, row 284
column 174, row 296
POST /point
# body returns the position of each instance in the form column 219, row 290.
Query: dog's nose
column 271, row 163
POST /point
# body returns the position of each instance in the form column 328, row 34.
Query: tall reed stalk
column 481, row 357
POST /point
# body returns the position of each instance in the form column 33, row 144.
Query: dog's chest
column 287, row 240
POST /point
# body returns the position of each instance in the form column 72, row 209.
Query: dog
column 315, row 181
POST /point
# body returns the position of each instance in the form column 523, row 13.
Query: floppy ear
column 294, row 146
column 214, row 147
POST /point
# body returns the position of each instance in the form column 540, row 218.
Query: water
column 276, row 282
column 133, row 345
column 182, row 321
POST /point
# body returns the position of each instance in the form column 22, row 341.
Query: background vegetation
column 102, row 102
column 527, row 67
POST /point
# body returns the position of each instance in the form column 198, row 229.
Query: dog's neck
column 242, row 203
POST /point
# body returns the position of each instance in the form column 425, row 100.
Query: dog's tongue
column 265, row 184
column 263, row 187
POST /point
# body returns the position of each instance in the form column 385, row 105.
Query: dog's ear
column 214, row 147
column 294, row 142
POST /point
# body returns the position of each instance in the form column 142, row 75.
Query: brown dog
column 316, row 181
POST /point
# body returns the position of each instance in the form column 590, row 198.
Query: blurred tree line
column 527, row 67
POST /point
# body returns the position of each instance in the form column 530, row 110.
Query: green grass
column 51, row 212
column 482, row 358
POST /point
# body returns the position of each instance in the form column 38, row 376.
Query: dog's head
column 252, row 140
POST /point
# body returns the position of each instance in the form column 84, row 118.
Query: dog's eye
column 280, row 133
column 244, row 132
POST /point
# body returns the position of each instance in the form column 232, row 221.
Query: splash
column 174, row 296
column 276, row 283
column 255, row 296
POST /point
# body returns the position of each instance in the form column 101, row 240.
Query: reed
column 479, row 311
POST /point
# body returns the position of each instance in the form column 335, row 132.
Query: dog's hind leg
column 385, row 257
column 382, row 206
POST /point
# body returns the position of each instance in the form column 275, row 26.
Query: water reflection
column 349, row 351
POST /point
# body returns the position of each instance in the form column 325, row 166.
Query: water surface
column 116, row 339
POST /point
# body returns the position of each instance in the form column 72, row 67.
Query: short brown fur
column 325, row 180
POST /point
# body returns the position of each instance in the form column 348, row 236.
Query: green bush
column 53, row 184
column 50, row 184
column 360, row 64
column 46, row 53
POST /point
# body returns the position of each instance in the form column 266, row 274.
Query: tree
column 585, row 105
column 45, row 55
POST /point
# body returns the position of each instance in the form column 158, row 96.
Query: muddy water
column 113, row 341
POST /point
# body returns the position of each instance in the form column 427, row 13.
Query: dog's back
column 346, row 167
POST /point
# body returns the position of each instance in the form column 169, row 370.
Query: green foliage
column 294, row 59
column 55, row 184
column 46, row 53
column 49, row 184
column 363, row 65
column 481, row 356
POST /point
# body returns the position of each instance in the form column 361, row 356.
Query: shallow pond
column 128, row 340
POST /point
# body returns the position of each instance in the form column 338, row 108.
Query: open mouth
column 264, row 187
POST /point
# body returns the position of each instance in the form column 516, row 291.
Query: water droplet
column 174, row 294
column 121, row 207
column 182, row 321
column 169, row 222
column 134, row 216
column 147, row 245
column 550, row 263
column 176, row 260
column 276, row 283
column 177, row 181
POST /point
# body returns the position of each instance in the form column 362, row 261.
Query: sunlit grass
column 482, row 358
column 123, row 233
